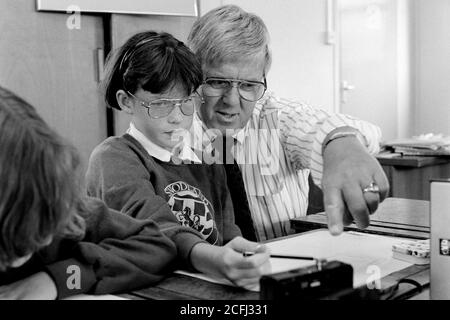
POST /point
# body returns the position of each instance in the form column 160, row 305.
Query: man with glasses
column 232, row 46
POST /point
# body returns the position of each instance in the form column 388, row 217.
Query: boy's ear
column 125, row 101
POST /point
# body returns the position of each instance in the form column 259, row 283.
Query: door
column 303, row 62
column 368, row 62
column 54, row 69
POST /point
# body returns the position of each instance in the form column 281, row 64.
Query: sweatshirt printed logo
column 192, row 209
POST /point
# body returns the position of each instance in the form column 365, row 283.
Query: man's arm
column 339, row 151
column 305, row 129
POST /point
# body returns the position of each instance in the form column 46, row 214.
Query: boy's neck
column 157, row 151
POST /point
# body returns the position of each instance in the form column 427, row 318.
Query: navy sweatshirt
column 115, row 254
column 190, row 202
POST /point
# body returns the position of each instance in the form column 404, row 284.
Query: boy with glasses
column 154, row 78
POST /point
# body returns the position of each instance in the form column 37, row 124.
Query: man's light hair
column 228, row 34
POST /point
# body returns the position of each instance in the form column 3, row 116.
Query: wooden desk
column 181, row 287
column 409, row 176
column 394, row 217
column 401, row 212
column 424, row 295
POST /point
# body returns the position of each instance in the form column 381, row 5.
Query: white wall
column 303, row 65
column 405, row 69
column 432, row 86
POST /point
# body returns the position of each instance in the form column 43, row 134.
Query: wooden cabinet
column 54, row 69
column 409, row 177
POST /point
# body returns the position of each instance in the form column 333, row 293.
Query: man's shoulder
column 267, row 111
column 271, row 104
column 276, row 101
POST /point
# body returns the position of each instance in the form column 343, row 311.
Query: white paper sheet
column 367, row 253
column 370, row 255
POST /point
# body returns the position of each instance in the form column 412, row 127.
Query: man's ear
column 125, row 101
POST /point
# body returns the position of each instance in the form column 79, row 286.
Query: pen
column 251, row 253
column 291, row 257
column 319, row 262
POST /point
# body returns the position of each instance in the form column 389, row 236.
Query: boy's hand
column 39, row 286
column 246, row 271
column 228, row 261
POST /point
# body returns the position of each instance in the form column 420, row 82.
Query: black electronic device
column 313, row 282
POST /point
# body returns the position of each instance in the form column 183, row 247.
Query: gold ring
column 373, row 187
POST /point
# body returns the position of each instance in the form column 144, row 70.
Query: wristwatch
column 343, row 132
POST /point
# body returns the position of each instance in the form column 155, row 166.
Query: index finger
column 254, row 261
column 334, row 209
column 242, row 245
column 383, row 184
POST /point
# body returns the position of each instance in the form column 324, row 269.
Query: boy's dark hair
column 153, row 61
column 39, row 184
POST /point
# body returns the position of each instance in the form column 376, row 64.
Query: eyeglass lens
column 247, row 90
column 160, row 109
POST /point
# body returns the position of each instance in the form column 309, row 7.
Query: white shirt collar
column 241, row 134
column 204, row 134
column 183, row 151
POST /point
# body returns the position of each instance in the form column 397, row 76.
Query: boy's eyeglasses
column 248, row 90
column 161, row 108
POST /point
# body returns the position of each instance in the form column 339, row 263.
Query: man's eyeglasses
column 248, row 90
column 161, row 108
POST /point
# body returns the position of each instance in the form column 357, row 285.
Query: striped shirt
column 277, row 149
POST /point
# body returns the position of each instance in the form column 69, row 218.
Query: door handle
column 345, row 88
